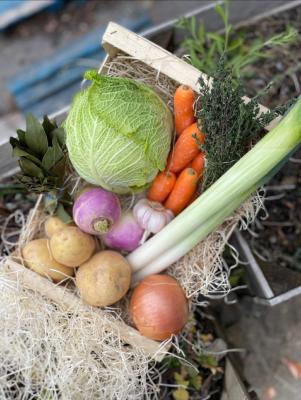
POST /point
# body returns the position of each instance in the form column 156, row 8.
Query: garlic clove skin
column 142, row 213
column 151, row 216
column 159, row 220
column 156, row 222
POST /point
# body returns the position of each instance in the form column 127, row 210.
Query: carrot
column 161, row 186
column 168, row 162
column 183, row 191
column 193, row 197
column 186, row 148
column 198, row 164
column 184, row 98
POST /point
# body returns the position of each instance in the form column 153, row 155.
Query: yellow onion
column 159, row 307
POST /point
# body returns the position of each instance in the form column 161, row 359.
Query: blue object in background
column 47, row 86
column 13, row 11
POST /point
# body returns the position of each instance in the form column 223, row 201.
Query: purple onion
column 125, row 234
column 96, row 210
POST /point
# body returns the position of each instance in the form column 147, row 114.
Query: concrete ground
column 269, row 335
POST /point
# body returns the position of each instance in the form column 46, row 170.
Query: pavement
column 270, row 335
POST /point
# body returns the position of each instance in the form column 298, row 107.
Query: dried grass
column 48, row 353
column 203, row 270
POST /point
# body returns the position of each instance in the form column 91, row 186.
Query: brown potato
column 72, row 247
column 36, row 256
column 104, row 279
column 53, row 225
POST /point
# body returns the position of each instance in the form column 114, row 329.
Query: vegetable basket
column 113, row 353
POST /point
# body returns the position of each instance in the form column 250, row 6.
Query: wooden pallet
column 45, row 87
column 12, row 11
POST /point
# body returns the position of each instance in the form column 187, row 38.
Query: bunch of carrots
column 177, row 186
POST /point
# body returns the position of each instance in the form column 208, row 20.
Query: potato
column 53, row 225
column 72, row 247
column 36, row 256
column 104, row 279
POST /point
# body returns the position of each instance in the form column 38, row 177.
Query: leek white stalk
column 247, row 173
column 176, row 252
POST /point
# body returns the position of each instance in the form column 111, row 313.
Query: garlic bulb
column 151, row 216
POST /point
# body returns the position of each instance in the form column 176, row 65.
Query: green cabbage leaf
column 118, row 133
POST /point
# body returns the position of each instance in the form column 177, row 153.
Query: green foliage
column 118, row 133
column 42, row 155
column 10, row 189
column 56, row 203
column 187, row 378
column 180, row 394
column 192, row 375
column 205, row 48
column 237, row 277
column 196, row 382
column 208, row 361
column 181, row 378
column 171, row 362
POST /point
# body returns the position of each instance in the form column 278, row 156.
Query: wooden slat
column 117, row 38
column 70, row 301
column 8, row 126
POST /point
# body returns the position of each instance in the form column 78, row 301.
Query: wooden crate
column 118, row 40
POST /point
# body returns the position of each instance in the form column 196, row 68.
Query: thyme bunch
column 230, row 125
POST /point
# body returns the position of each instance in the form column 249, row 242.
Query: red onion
column 96, row 210
column 125, row 234
column 159, row 307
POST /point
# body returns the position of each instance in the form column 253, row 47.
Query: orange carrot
column 184, row 98
column 161, row 186
column 198, row 164
column 168, row 162
column 193, row 197
column 186, row 148
column 183, row 191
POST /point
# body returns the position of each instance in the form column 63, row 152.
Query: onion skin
column 95, row 210
column 125, row 234
column 159, row 307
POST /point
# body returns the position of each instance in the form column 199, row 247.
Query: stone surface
column 269, row 335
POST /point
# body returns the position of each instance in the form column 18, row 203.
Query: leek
column 173, row 254
column 224, row 196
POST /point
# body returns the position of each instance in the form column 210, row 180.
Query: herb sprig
column 230, row 125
